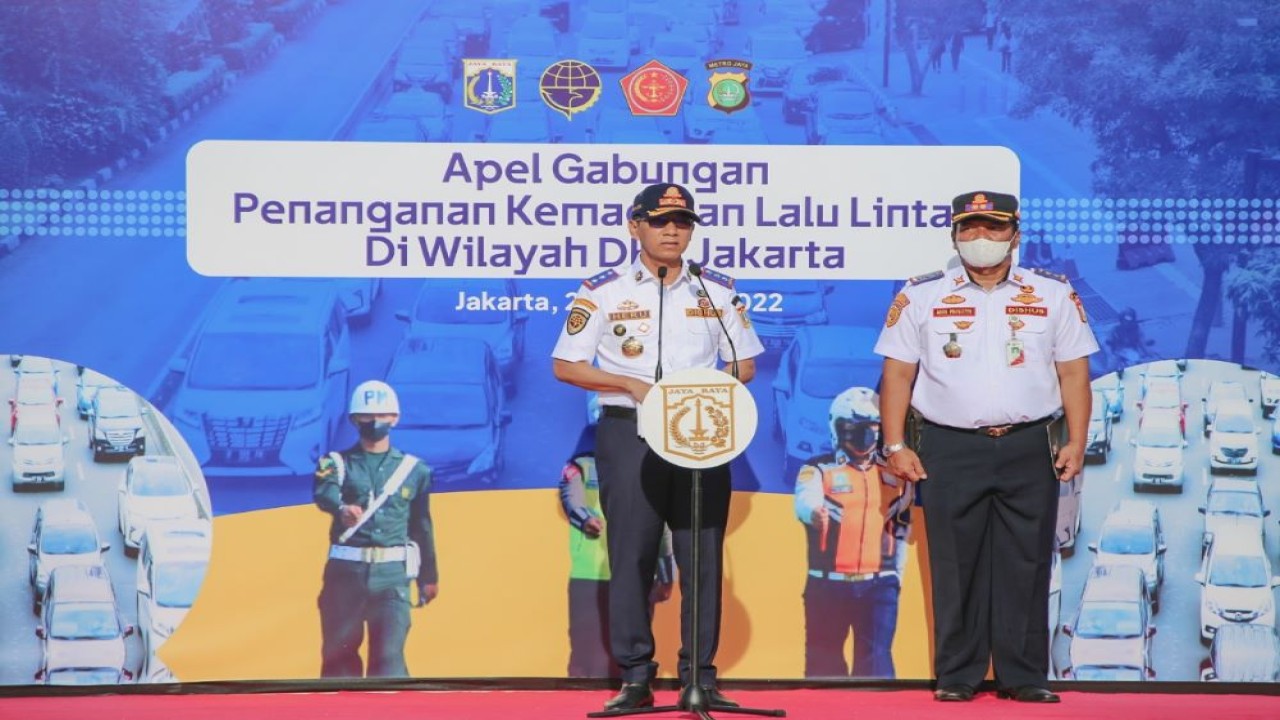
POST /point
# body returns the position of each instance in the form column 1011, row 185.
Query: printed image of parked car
column 502, row 327
column 1233, row 505
column 39, row 458
column 80, row 629
column 153, row 488
column 1112, row 630
column 452, row 408
column 822, row 362
column 264, row 381
column 115, row 424
column 1236, row 580
column 64, row 533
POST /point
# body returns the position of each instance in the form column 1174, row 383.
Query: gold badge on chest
column 631, row 347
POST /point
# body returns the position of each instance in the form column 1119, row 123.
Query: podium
column 697, row 419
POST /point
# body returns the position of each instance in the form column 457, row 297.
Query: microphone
column 662, row 294
column 696, row 270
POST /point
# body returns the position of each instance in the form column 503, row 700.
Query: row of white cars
column 114, row 413
column 81, row 629
column 1112, row 629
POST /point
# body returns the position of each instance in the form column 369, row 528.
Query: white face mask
column 983, row 252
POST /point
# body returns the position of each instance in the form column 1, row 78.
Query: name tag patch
column 1024, row 310
column 703, row 312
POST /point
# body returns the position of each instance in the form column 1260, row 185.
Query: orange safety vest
column 863, row 528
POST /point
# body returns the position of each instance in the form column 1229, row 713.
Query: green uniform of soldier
column 381, row 542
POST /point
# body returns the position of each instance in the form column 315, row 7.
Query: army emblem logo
column 698, row 420
column 654, row 89
column 490, row 85
column 729, row 92
column 569, row 87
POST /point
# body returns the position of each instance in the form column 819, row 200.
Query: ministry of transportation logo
column 569, row 87
column 729, row 78
column 698, row 420
column 490, row 85
column 654, row 89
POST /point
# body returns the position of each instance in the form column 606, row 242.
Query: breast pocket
column 950, row 337
column 702, row 325
column 1034, row 332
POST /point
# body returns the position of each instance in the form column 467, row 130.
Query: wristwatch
column 891, row 449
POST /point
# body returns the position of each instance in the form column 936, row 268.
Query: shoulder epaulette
column 819, row 460
column 603, row 278
column 927, row 277
column 717, row 278
column 1050, row 275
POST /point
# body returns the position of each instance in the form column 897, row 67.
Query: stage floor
column 806, row 704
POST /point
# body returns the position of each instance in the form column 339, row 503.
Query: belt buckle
column 997, row 431
column 369, row 554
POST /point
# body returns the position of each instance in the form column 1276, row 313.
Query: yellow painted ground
column 502, row 609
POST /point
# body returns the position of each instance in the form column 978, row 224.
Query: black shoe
column 632, row 696
column 1029, row 694
column 953, row 693
column 710, row 695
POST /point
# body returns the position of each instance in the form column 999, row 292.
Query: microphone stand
column 695, row 700
column 696, row 270
column 662, row 295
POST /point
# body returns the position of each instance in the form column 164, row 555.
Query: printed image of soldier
column 856, row 517
column 380, row 540
column 589, row 564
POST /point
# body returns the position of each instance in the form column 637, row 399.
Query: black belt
column 618, row 412
column 994, row 431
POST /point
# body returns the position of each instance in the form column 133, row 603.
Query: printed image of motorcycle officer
column 380, row 540
column 589, row 564
column 856, row 517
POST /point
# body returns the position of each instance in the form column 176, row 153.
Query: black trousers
column 639, row 492
column 991, row 507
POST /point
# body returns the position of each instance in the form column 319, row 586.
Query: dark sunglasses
column 684, row 223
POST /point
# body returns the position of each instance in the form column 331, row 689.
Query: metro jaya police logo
column 654, row 89
column 729, row 92
column 698, row 420
column 490, row 85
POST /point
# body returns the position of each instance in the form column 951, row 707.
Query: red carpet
column 536, row 705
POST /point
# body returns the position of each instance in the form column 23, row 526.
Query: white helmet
column 855, row 405
column 375, row 398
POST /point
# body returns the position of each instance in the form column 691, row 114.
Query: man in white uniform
column 617, row 321
column 991, row 356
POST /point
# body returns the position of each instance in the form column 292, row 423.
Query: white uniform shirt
column 986, row 384
column 616, row 312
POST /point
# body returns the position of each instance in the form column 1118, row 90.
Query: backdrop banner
column 218, row 217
